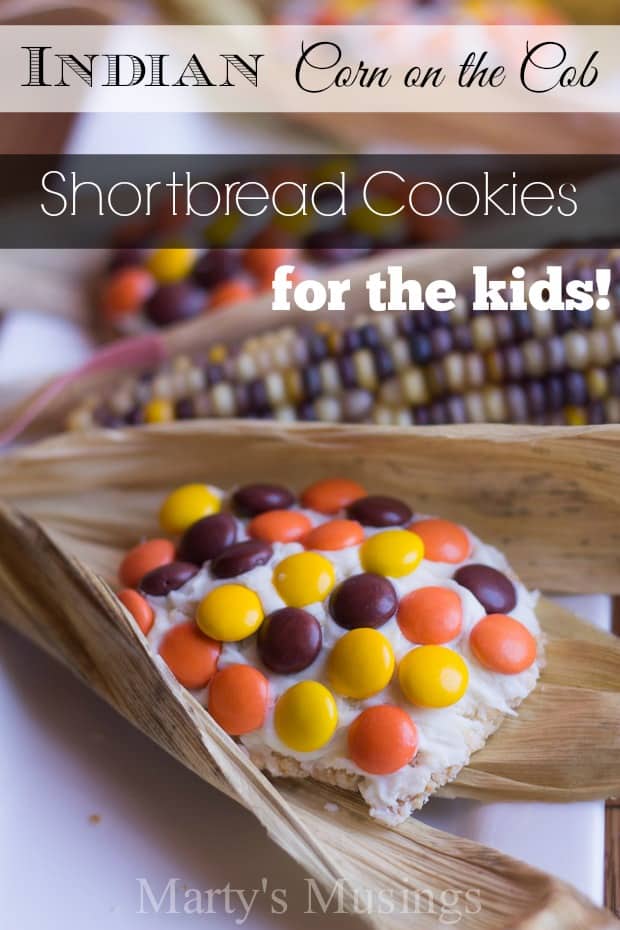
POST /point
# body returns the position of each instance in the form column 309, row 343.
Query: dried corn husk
column 68, row 611
column 98, row 494
column 95, row 495
column 549, row 497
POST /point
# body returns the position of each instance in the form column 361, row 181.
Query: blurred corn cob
column 207, row 12
column 421, row 367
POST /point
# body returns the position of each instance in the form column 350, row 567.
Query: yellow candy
column 306, row 716
column 187, row 504
column 159, row 410
column 230, row 613
column 297, row 224
column 361, row 663
column 375, row 223
column 329, row 169
column 352, row 7
column 304, row 578
column 392, row 552
column 170, row 265
column 221, row 231
column 433, row 676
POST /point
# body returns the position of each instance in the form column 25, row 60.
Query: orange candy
column 230, row 292
column 430, row 616
column 190, row 655
column 138, row 607
column 502, row 644
column 126, row 291
column 263, row 262
column 382, row 739
column 333, row 535
column 238, row 699
column 443, row 541
column 144, row 558
column 279, row 526
column 332, row 494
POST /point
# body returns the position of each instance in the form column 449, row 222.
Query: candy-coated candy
column 289, row 640
column 126, row 258
column 229, row 292
column 172, row 303
column 144, row 558
column 377, row 510
column 187, row 504
column 169, row 265
column 206, row 538
column 382, row 739
column 361, row 663
column 190, row 655
column 238, row 699
column 297, row 225
column 503, row 644
column 306, row 716
column 430, row 616
column 263, row 262
column 393, row 552
column 161, row 581
column 230, row 613
column 253, row 499
column 280, row 526
column 369, row 223
column 215, row 266
column 331, row 495
column 433, row 676
column 492, row 588
column 334, row 535
column 159, row 410
column 126, row 291
column 240, row 558
column 304, row 578
column 223, row 229
column 363, row 600
column 138, row 607
column 334, row 246
column 443, row 541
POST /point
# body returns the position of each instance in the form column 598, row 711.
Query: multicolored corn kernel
column 419, row 368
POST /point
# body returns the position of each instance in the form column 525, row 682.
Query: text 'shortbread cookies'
column 337, row 635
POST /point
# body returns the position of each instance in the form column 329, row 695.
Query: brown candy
column 377, row 510
column 289, row 640
column 365, row 600
column 492, row 588
column 166, row 578
column 241, row 557
column 253, row 499
column 173, row 303
column 205, row 539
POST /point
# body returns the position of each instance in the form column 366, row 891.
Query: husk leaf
column 96, row 494
column 548, row 497
column 72, row 613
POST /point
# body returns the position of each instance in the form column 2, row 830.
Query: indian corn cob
column 421, row 367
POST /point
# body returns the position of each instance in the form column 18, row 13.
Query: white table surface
column 88, row 806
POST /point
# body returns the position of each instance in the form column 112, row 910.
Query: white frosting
column 446, row 735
